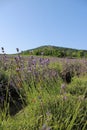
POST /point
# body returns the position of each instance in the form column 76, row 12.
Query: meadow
column 42, row 92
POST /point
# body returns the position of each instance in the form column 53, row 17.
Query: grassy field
column 43, row 93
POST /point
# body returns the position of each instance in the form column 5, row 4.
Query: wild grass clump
column 35, row 96
column 70, row 70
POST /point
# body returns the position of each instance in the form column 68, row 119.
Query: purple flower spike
column 17, row 49
column 2, row 48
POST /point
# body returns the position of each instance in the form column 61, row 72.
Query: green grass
column 50, row 108
column 48, row 105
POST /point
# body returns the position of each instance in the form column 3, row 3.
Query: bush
column 72, row 69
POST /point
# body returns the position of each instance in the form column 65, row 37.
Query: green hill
column 56, row 51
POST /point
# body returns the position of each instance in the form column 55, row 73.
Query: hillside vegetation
column 56, row 51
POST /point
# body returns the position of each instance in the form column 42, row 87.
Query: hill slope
column 56, row 51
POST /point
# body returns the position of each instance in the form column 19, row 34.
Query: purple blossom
column 63, row 86
column 2, row 48
column 62, row 90
column 17, row 69
column 45, row 127
column 33, row 62
column 64, row 97
column 16, row 58
column 17, row 49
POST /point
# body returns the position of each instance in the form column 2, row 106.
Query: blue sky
column 27, row 24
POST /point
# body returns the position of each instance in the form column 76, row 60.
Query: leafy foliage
column 56, row 51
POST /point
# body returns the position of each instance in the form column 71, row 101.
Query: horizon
column 39, row 47
column 29, row 24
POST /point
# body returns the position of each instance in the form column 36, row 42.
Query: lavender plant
column 50, row 102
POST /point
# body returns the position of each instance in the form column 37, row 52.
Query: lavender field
column 42, row 93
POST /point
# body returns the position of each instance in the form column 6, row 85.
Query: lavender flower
column 16, row 58
column 45, row 127
column 17, row 69
column 2, row 48
column 63, row 87
column 64, row 97
column 17, row 49
column 33, row 62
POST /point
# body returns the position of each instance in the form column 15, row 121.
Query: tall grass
column 34, row 96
